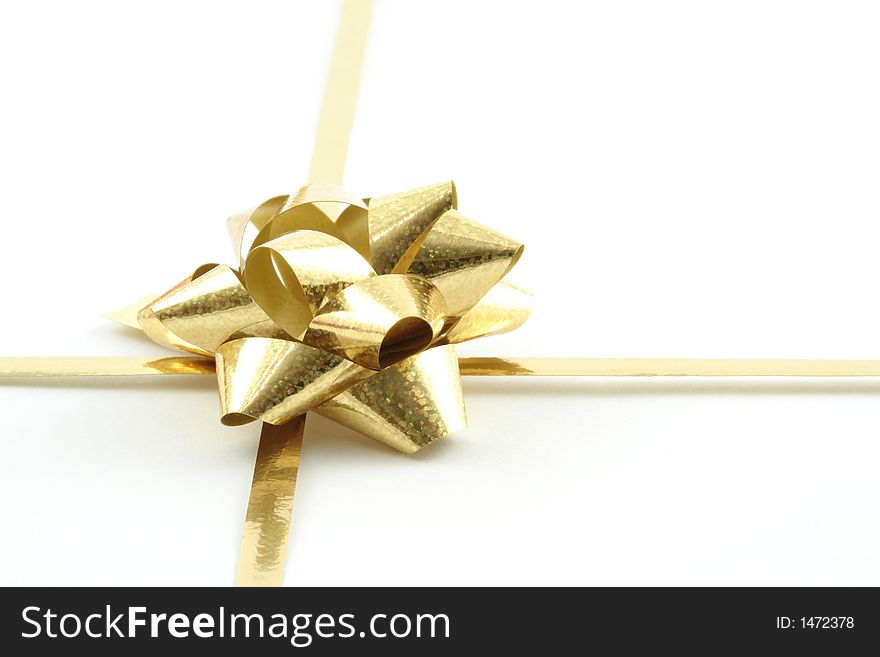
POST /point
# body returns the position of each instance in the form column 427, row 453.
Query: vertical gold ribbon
column 270, row 505
column 340, row 95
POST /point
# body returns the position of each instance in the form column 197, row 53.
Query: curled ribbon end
column 379, row 321
column 408, row 336
column 156, row 330
column 235, row 419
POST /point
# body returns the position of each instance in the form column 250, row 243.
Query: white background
column 690, row 178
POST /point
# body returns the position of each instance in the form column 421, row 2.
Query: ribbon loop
column 407, row 406
column 379, row 321
column 327, row 208
column 291, row 275
column 504, row 308
column 398, row 223
column 464, row 260
column 203, row 311
column 276, row 380
column 245, row 226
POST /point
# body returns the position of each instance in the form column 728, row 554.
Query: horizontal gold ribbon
column 23, row 367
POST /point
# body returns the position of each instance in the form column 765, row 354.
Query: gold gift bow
column 270, row 505
column 309, row 323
